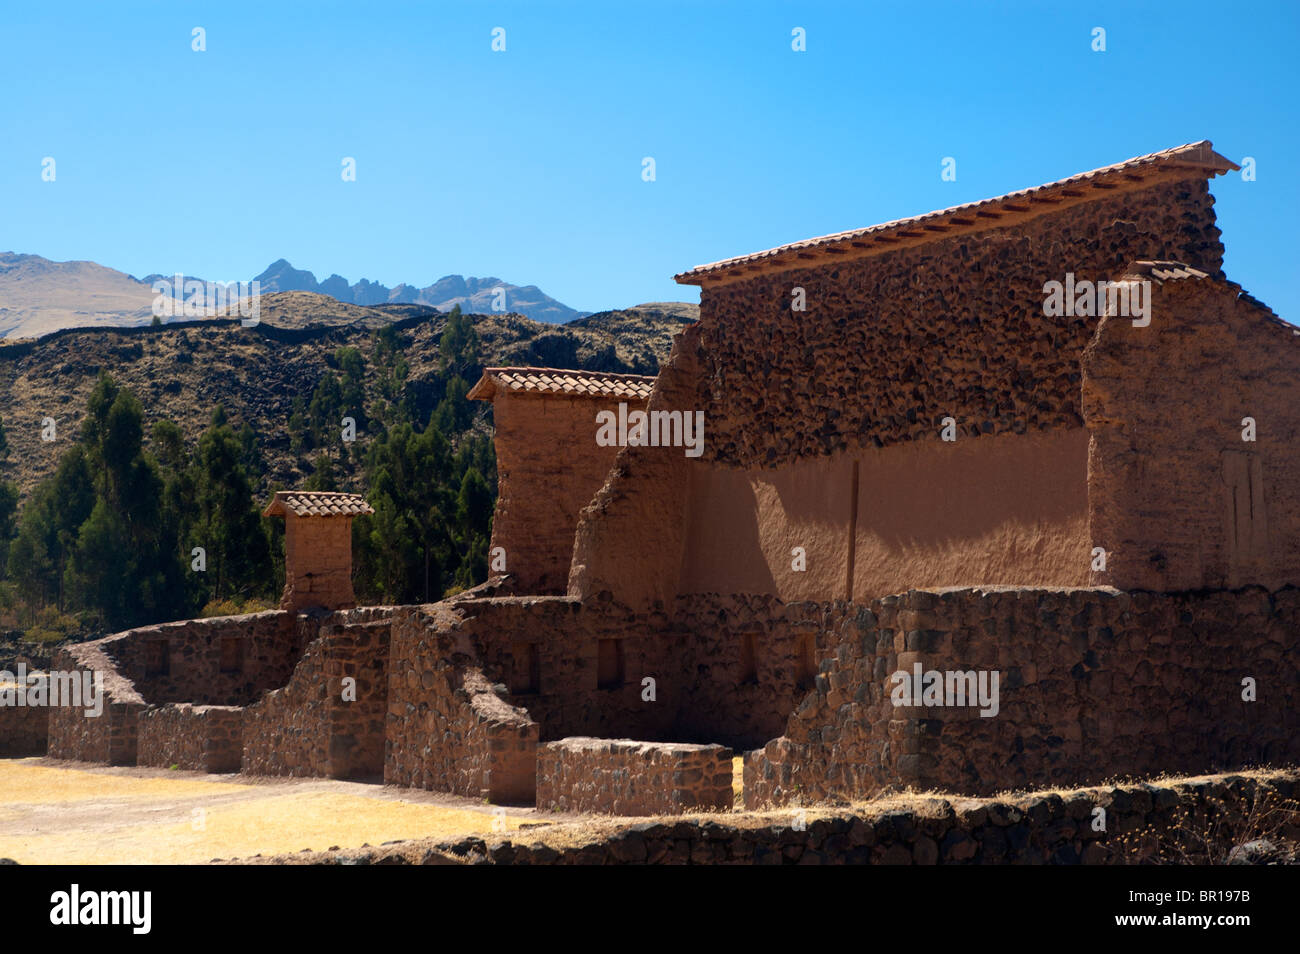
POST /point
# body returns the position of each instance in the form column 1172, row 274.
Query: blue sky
column 526, row 164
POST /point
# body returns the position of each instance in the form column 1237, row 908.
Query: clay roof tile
column 1198, row 158
column 546, row 381
column 316, row 503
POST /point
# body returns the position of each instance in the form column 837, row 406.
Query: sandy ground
column 67, row 813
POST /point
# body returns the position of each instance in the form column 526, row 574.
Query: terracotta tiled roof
column 1164, row 271
column 314, row 503
column 1178, row 271
column 1197, row 158
column 599, row 384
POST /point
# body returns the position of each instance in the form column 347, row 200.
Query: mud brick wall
column 306, row 728
column 109, row 738
column 890, row 344
column 196, row 738
column 24, row 730
column 224, row 660
column 549, row 467
column 622, row 777
column 1093, row 683
column 1178, row 499
column 449, row 727
column 317, row 563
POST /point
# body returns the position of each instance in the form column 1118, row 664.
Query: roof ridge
column 1194, row 155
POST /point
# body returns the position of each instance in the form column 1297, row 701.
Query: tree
column 227, row 525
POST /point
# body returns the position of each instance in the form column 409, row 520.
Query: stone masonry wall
column 224, row 660
column 1146, row 822
column 1177, row 498
column 1092, row 683
column 622, row 777
column 109, row 738
column 893, row 342
column 195, row 738
column 24, row 730
column 449, row 728
column 307, row 727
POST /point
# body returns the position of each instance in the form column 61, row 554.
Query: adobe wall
column 195, row 738
column 890, row 344
column 630, row 537
column 1003, row 509
column 622, row 777
column 1092, row 683
column 268, row 647
column 317, row 563
column 549, row 466
column 1179, row 500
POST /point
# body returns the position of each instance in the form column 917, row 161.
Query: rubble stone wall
column 1092, row 683
column 622, row 777
column 195, row 738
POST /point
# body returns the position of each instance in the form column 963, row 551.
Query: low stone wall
column 24, row 730
column 623, row 777
column 449, row 727
column 222, row 660
column 110, row 737
column 1093, row 683
column 196, row 738
column 1136, row 823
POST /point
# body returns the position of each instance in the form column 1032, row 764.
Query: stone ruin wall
column 200, row 657
column 1092, row 683
column 622, row 777
column 889, row 345
column 449, row 728
column 549, row 466
column 194, row 738
column 222, row 661
column 305, row 727
column 1178, row 499
column 1146, row 822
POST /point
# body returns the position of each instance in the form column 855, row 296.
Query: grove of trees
column 109, row 540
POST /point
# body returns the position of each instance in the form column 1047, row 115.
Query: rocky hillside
column 181, row 371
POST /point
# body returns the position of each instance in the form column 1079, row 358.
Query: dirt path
column 58, row 812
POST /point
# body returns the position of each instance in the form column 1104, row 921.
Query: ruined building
column 917, row 457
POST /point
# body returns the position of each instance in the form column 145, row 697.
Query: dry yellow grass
column 57, row 816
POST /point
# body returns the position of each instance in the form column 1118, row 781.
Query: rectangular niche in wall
column 609, row 664
column 157, row 657
column 232, row 654
column 525, row 668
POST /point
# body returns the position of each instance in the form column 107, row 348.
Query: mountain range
column 39, row 296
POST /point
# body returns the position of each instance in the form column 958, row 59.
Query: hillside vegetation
column 168, row 441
